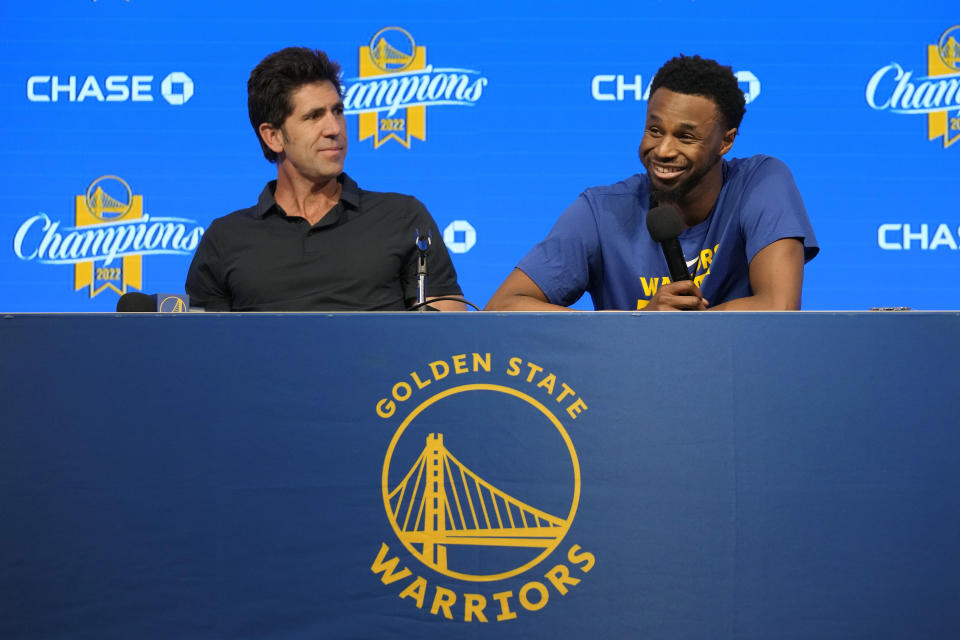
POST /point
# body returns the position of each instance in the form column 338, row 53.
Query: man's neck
column 303, row 198
column 696, row 206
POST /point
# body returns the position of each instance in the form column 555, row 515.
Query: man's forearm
column 757, row 303
column 521, row 303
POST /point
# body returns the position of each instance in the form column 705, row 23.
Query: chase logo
column 395, row 85
column 471, row 502
column 108, row 239
column 617, row 87
column 459, row 236
column 176, row 88
column 936, row 95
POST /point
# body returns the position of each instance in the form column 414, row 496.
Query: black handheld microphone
column 665, row 226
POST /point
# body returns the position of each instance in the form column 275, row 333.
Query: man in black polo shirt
column 315, row 241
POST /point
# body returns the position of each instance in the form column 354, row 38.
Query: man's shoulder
column 234, row 220
column 249, row 214
column 399, row 207
column 389, row 197
column 757, row 166
column 240, row 214
column 619, row 198
column 628, row 187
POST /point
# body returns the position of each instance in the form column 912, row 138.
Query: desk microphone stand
column 423, row 243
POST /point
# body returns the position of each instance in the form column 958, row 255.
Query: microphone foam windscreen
column 664, row 223
column 136, row 303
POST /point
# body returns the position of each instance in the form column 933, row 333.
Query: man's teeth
column 667, row 169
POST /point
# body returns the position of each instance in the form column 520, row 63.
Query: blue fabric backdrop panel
column 154, row 94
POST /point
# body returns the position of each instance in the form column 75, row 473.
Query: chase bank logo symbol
column 750, row 85
column 459, row 236
column 177, row 88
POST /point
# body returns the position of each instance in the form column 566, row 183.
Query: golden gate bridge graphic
column 384, row 54
column 950, row 53
column 100, row 203
column 441, row 502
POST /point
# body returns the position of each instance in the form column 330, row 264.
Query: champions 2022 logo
column 478, row 509
column 936, row 95
column 395, row 86
column 108, row 239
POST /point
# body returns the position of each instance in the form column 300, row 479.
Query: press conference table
column 582, row 475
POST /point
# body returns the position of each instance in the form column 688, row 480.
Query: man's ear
column 728, row 139
column 272, row 136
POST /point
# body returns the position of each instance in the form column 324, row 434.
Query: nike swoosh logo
column 691, row 263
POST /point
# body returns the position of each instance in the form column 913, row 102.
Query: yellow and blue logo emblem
column 472, row 502
column 108, row 199
column 110, row 234
column 173, row 303
column 943, row 62
column 935, row 95
column 395, row 85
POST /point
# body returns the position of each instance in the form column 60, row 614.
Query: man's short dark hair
column 696, row 76
column 274, row 80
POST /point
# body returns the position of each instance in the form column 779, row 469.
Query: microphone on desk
column 135, row 302
column 422, row 242
column 665, row 226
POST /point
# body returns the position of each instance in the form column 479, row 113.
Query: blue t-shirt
column 601, row 244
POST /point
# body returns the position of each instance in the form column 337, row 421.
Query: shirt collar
column 349, row 196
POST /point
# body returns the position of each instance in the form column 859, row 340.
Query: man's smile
column 666, row 172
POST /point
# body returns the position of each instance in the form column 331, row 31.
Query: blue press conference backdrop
column 126, row 128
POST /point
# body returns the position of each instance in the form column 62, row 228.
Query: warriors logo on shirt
column 936, row 95
column 396, row 84
column 699, row 267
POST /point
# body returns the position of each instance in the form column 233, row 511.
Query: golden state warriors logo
column 936, row 95
column 387, row 57
column 383, row 58
column 172, row 304
column 395, row 85
column 108, row 199
column 108, row 239
column 948, row 49
column 945, row 66
column 440, row 502
column 106, row 207
column 472, row 500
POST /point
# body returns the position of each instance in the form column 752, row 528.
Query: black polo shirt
column 361, row 256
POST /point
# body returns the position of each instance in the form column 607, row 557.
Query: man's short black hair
column 274, row 80
column 693, row 75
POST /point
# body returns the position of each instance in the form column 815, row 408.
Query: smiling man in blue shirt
column 746, row 232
